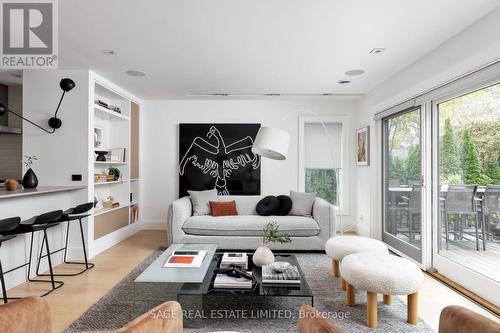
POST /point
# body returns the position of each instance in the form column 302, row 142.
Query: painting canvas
column 363, row 146
column 218, row 156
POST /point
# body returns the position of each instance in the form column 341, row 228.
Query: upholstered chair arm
column 324, row 214
column 456, row 319
column 26, row 315
column 179, row 211
column 311, row 321
column 165, row 318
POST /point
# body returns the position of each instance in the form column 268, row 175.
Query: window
column 322, row 159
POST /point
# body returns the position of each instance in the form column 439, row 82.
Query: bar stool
column 76, row 213
column 38, row 223
column 6, row 225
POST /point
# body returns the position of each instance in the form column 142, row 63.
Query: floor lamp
column 272, row 143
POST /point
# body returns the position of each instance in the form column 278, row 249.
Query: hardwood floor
column 80, row 292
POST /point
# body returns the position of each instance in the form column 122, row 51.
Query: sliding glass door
column 467, row 191
column 402, row 182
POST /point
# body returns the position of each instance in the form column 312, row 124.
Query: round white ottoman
column 340, row 246
column 382, row 274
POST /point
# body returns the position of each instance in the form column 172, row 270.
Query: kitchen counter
column 21, row 192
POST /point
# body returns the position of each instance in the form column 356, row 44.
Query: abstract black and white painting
column 218, row 156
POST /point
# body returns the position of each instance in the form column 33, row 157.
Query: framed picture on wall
column 363, row 146
column 218, row 156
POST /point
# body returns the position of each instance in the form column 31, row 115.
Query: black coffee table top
column 258, row 288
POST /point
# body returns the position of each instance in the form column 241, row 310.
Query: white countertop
column 21, row 192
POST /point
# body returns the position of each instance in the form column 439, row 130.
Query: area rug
column 123, row 303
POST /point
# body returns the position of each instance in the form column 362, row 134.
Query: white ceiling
column 255, row 46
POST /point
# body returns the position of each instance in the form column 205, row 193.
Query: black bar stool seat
column 41, row 222
column 6, row 225
column 72, row 214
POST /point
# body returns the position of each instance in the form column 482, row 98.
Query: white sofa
column 244, row 231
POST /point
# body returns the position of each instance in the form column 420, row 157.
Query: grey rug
column 124, row 302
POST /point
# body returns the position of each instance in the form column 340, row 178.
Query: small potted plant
column 30, row 179
column 263, row 255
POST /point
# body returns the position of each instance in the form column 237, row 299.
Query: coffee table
column 194, row 296
column 193, row 287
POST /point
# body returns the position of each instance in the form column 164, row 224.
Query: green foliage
column 397, row 169
column 271, row 234
column 493, row 172
column 323, row 182
column 453, row 179
column 473, row 173
column 413, row 170
column 487, row 142
column 449, row 158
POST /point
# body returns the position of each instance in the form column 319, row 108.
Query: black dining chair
column 42, row 223
column 490, row 205
column 6, row 225
column 460, row 201
column 414, row 211
column 76, row 213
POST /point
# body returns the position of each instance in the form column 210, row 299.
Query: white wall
column 472, row 48
column 160, row 142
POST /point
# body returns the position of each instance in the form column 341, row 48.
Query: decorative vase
column 30, row 180
column 263, row 256
column 11, row 185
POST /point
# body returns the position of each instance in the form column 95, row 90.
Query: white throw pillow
column 200, row 201
column 302, row 203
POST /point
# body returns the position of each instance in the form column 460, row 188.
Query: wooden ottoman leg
column 371, row 313
column 387, row 299
column 351, row 296
column 335, row 268
column 413, row 308
column 343, row 284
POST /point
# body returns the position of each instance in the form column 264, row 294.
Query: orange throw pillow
column 223, row 208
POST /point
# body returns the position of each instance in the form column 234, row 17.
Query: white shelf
column 103, row 113
column 101, row 211
column 134, row 203
column 111, row 182
column 110, row 163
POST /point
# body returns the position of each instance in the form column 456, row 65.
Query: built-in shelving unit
column 115, row 131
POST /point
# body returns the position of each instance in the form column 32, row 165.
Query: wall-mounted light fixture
column 54, row 122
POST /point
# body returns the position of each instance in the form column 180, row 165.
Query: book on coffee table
column 238, row 259
column 290, row 276
column 188, row 259
column 223, row 281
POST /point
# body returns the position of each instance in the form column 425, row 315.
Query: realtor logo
column 29, row 34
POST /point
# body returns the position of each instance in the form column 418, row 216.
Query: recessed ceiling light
column 377, row 50
column 344, row 81
column 109, row 52
column 17, row 75
column 354, row 72
column 136, row 73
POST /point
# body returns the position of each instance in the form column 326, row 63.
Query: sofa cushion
column 268, row 206
column 200, row 201
column 223, row 208
column 302, row 203
column 285, row 205
column 249, row 225
column 245, row 204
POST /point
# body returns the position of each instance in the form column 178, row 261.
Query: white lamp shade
column 272, row 143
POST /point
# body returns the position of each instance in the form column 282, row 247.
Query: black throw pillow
column 268, row 206
column 285, row 205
